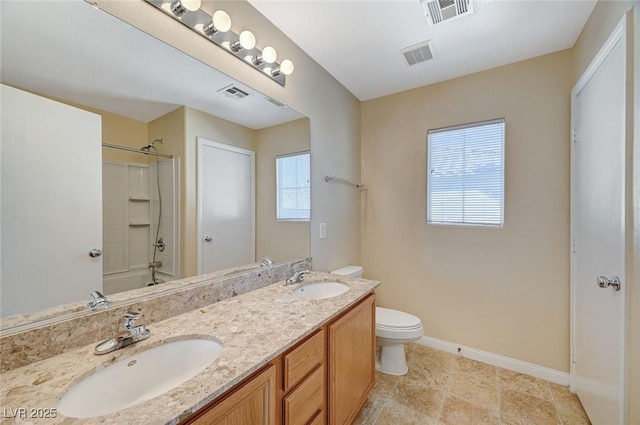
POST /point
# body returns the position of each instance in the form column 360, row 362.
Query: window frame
column 304, row 220
column 501, row 225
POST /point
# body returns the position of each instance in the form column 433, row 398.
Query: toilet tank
column 351, row 271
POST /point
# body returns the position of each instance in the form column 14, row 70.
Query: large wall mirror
column 128, row 164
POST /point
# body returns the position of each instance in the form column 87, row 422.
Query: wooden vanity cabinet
column 324, row 380
column 303, row 383
column 352, row 362
column 253, row 403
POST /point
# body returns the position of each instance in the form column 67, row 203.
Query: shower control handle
column 95, row 253
column 208, row 238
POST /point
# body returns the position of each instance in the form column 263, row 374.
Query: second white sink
column 321, row 290
column 138, row 378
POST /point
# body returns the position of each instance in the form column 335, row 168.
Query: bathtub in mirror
column 142, row 90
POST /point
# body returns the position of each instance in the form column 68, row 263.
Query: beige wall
column 334, row 114
column 633, row 353
column 171, row 129
column 633, row 272
column 123, row 131
column 606, row 15
column 505, row 290
column 280, row 240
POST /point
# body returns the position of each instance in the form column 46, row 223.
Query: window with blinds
column 293, row 187
column 465, row 179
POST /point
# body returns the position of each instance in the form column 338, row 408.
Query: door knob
column 614, row 282
column 95, row 253
column 208, row 238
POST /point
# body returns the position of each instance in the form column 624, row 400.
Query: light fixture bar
column 201, row 22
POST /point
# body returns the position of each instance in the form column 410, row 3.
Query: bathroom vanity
column 338, row 360
column 285, row 359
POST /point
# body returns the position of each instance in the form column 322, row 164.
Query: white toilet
column 394, row 329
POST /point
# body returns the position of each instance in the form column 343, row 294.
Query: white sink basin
column 321, row 290
column 138, row 378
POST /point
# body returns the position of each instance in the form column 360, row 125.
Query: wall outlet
column 323, row 230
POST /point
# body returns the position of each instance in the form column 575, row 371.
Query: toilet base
column 391, row 359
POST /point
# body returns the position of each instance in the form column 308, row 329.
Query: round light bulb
column 221, row 21
column 247, row 40
column 191, row 5
column 286, row 67
column 269, row 54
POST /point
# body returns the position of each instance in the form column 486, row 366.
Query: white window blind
column 465, row 181
column 293, row 181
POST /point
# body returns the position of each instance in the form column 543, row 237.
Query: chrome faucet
column 98, row 301
column 268, row 262
column 297, row 277
column 130, row 335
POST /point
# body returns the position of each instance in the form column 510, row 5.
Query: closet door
column 598, row 224
column 226, row 199
column 51, row 181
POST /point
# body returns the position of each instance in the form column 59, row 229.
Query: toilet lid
column 388, row 318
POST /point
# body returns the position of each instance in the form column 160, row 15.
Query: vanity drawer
column 303, row 359
column 306, row 401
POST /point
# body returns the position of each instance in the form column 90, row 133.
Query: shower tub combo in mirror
column 140, row 219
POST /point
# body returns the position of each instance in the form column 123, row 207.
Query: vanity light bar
column 217, row 29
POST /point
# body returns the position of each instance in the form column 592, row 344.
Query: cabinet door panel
column 351, row 362
column 318, row 419
column 254, row 403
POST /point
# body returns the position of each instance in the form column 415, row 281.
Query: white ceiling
column 69, row 50
column 359, row 42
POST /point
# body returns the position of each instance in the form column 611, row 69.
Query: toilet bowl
column 394, row 329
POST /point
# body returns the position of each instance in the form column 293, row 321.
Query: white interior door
column 598, row 223
column 226, row 206
column 51, row 202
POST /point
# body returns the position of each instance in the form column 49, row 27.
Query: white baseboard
column 552, row 375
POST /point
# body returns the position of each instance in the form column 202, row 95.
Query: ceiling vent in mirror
column 418, row 53
column 439, row 11
column 233, row 92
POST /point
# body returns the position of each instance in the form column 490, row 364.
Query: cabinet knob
column 95, row 253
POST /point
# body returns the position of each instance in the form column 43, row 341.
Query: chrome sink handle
column 268, row 262
column 131, row 335
column 297, row 277
column 137, row 333
column 98, row 301
column 130, row 320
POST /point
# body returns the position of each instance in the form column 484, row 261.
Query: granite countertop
column 253, row 328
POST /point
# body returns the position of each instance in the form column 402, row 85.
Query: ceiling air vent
column 418, row 53
column 233, row 92
column 438, row 11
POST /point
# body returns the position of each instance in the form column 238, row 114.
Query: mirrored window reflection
column 294, row 187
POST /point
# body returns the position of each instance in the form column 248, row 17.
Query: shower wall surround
column 29, row 346
column 130, row 220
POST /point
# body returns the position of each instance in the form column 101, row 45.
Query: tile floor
column 443, row 389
